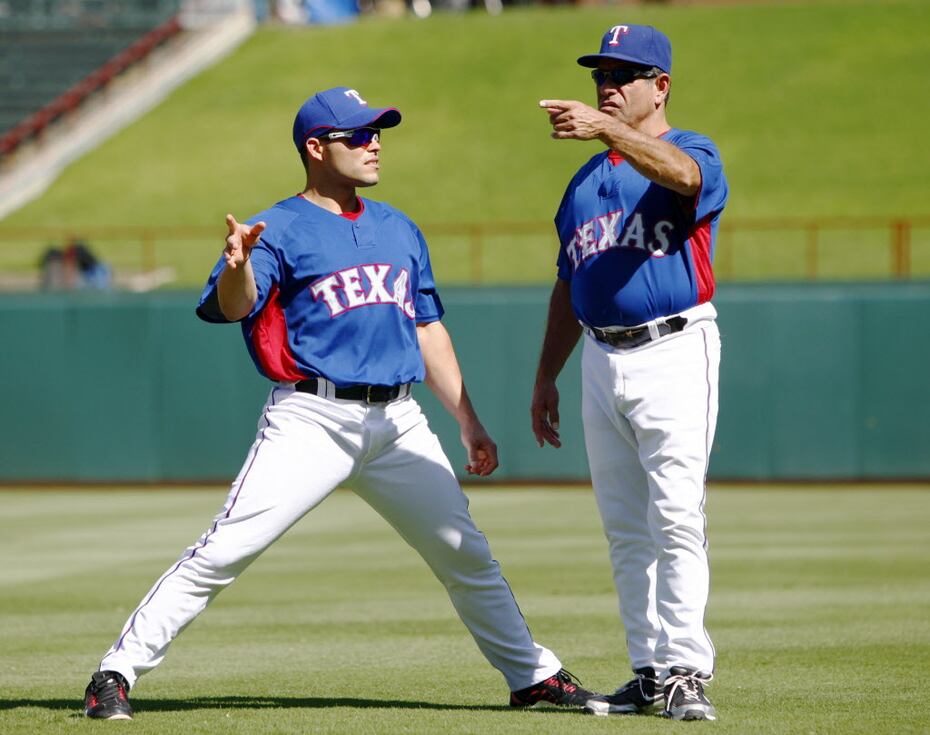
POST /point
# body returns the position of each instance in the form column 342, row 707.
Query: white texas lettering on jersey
column 364, row 285
column 604, row 232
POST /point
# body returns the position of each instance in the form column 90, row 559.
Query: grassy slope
column 817, row 612
column 818, row 109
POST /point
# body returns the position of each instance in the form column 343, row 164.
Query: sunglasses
column 621, row 77
column 359, row 137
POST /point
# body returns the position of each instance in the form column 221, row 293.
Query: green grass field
column 818, row 611
column 818, row 109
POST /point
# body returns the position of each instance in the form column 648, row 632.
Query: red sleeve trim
column 699, row 246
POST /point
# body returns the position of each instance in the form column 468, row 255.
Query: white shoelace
column 689, row 686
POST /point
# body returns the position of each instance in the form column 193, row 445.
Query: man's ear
column 314, row 148
column 663, row 88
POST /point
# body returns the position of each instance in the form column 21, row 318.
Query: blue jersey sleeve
column 428, row 307
column 266, row 268
column 564, row 266
column 562, row 263
column 713, row 194
column 208, row 308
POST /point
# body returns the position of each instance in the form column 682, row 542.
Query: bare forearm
column 236, row 291
column 656, row 159
column 443, row 375
column 562, row 333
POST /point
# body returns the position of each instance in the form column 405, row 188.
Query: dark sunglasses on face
column 359, row 137
column 620, row 77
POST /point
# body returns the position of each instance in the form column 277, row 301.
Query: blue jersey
column 338, row 297
column 633, row 250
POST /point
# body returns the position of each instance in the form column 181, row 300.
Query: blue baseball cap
column 637, row 44
column 339, row 108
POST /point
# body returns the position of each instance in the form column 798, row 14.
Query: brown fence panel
column 488, row 253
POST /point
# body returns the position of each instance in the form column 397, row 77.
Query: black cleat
column 684, row 696
column 639, row 696
column 561, row 689
column 106, row 697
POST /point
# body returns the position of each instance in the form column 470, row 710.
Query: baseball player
column 339, row 309
column 637, row 227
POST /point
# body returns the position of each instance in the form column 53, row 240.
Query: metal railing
column 821, row 248
column 896, row 233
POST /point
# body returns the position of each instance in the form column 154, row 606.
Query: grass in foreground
column 818, row 611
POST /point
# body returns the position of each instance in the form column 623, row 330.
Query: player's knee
column 466, row 563
column 221, row 564
column 687, row 534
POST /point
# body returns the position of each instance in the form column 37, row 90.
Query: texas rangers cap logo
column 643, row 45
column 356, row 96
column 615, row 34
column 339, row 108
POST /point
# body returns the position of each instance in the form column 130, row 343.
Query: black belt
column 636, row 336
column 366, row 393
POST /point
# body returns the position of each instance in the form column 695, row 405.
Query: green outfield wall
column 817, row 382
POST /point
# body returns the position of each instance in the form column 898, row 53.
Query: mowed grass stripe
column 818, row 611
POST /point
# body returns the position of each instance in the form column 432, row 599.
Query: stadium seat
column 51, row 60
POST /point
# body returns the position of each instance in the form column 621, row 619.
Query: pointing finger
column 231, row 223
column 556, row 104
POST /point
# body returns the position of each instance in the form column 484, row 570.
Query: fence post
column 476, row 247
column 148, row 251
column 901, row 248
column 812, row 236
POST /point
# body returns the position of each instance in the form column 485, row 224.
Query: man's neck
column 338, row 200
column 654, row 125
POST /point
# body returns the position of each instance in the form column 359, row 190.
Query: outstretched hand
column 573, row 120
column 240, row 241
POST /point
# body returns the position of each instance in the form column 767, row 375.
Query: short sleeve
column 427, row 305
column 265, row 266
column 713, row 195
column 563, row 264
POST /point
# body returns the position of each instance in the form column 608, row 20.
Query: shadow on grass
column 245, row 703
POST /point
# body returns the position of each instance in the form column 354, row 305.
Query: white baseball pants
column 306, row 446
column 649, row 417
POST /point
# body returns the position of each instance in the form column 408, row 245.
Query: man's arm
column 235, row 288
column 562, row 333
column 656, row 159
column 444, row 378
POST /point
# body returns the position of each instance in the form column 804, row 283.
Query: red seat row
column 73, row 97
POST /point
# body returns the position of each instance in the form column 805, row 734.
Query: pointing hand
column 575, row 120
column 240, row 241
